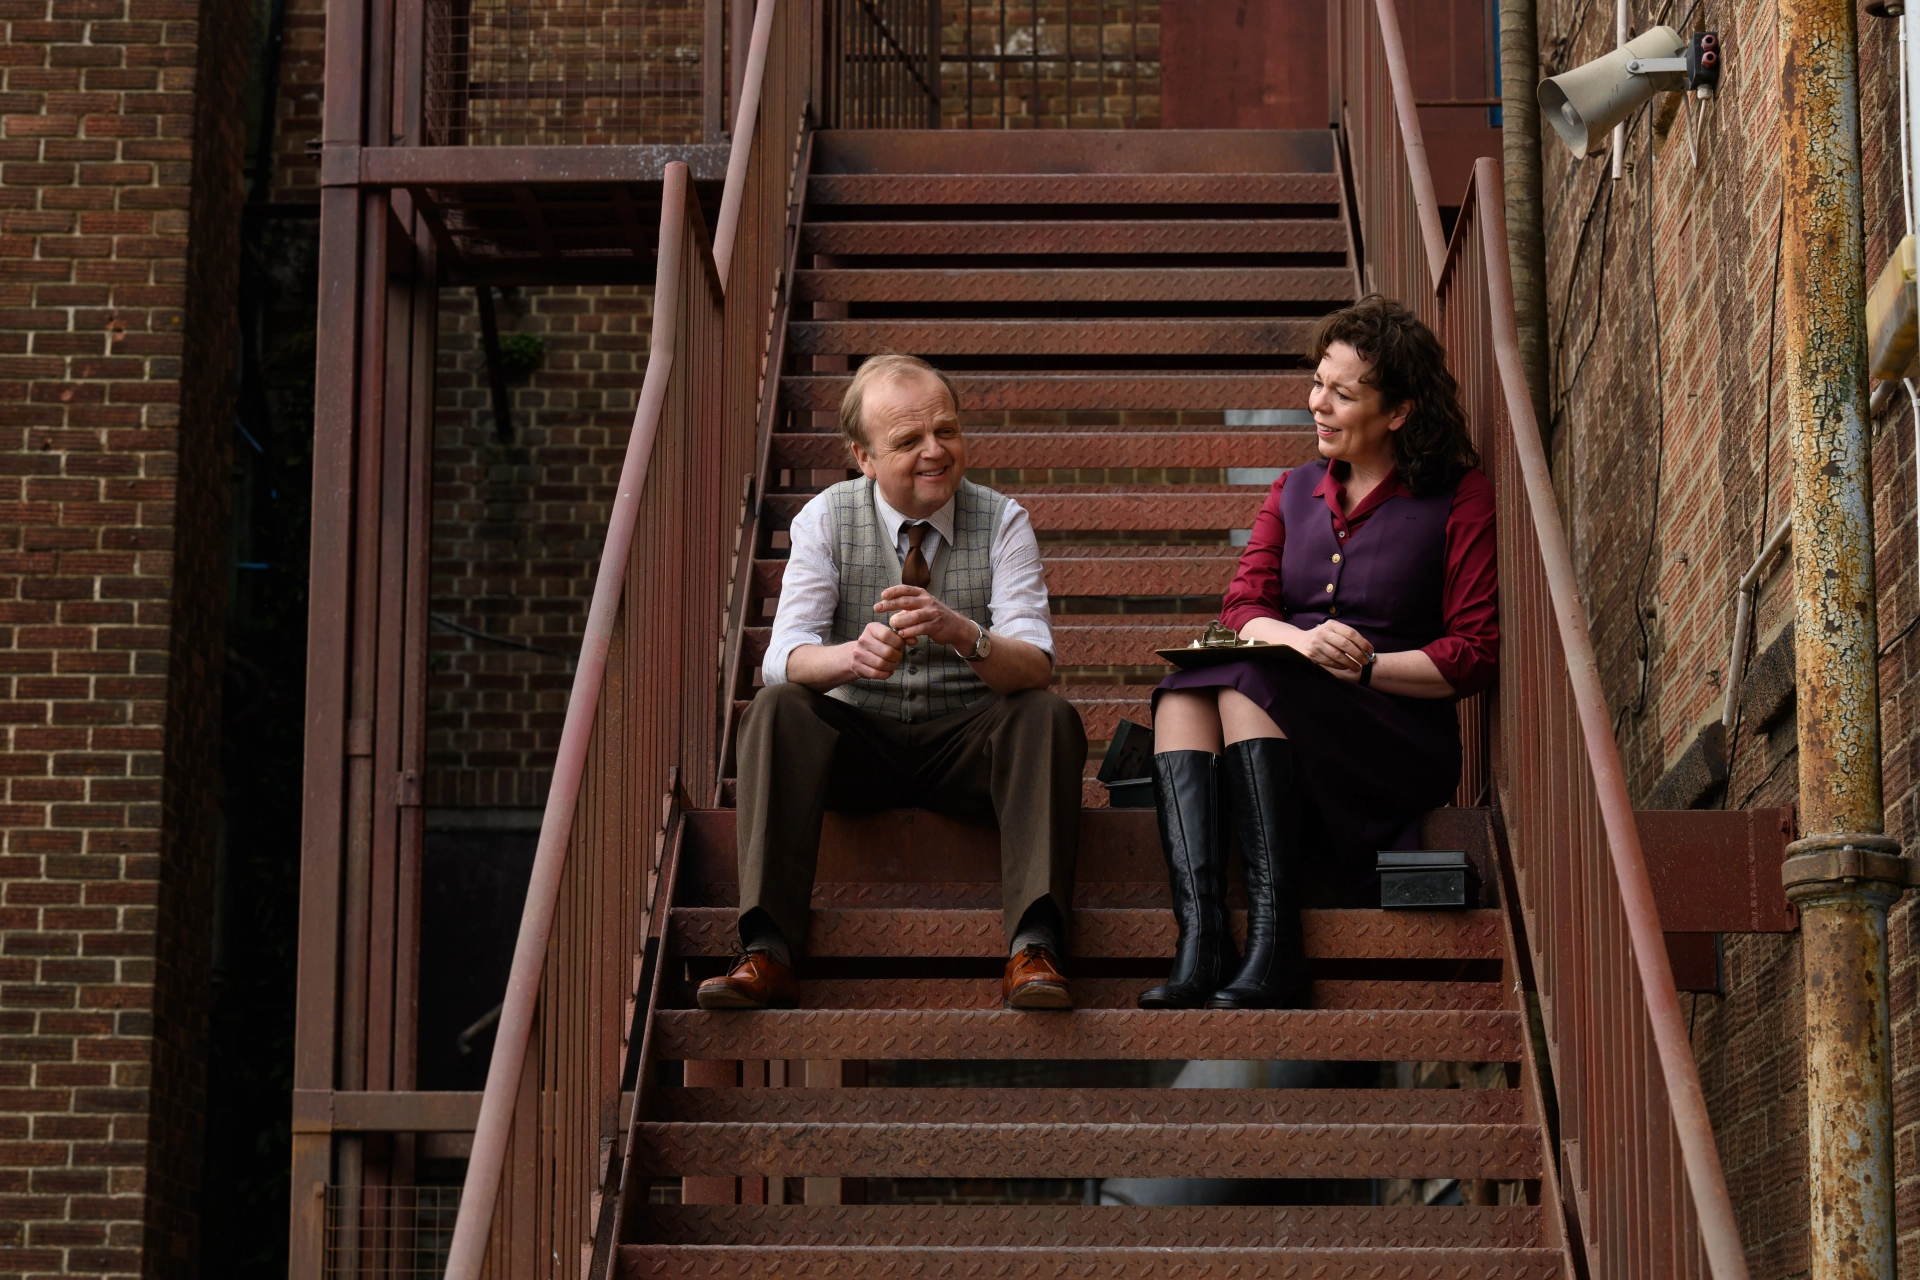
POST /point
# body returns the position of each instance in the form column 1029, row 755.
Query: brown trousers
column 801, row 753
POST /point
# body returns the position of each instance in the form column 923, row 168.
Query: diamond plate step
column 952, row 1106
column 1076, row 284
column 1048, row 1262
column 1123, row 993
column 1073, row 188
column 1227, row 1035
column 901, row 1148
column 1095, row 445
column 1102, row 933
column 1084, row 392
column 1140, row 235
column 938, row 338
column 1145, row 507
column 1109, row 1226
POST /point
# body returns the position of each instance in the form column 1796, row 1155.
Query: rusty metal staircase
column 1125, row 316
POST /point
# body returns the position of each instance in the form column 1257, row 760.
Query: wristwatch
column 982, row 647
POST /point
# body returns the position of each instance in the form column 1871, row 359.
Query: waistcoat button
column 1336, row 557
column 1329, row 588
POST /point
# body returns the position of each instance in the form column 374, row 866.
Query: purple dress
column 1373, row 763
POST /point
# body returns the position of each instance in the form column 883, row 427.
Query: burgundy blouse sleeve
column 1469, row 653
column 1255, row 589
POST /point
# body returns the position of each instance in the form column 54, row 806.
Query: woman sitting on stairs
column 1373, row 569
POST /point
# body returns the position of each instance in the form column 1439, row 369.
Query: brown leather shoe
column 1032, row 982
column 757, row 982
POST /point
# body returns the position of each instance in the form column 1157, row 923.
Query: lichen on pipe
column 1844, row 872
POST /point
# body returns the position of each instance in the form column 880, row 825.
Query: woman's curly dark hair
column 1432, row 449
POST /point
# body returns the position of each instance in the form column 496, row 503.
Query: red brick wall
column 303, row 50
column 517, row 529
column 118, row 216
column 1721, row 489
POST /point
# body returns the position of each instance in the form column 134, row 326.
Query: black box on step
column 1127, row 769
column 1426, row 879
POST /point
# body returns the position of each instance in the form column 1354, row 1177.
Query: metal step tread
column 1110, row 1226
column 1105, row 236
column 1086, row 392
column 1074, row 188
column 1123, row 993
column 1006, row 1106
column 947, row 286
column 1228, row 336
column 1141, row 508
column 1102, row 933
column 1093, row 446
column 1393, row 1035
column 1045, row 1262
column 901, row 1148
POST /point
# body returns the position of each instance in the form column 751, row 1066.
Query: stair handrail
column 1616, row 1039
column 650, row 644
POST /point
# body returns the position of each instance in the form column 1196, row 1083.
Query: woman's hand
column 1332, row 645
column 1335, row 646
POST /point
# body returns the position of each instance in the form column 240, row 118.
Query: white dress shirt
column 810, row 593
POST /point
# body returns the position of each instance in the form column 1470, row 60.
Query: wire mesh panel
column 564, row 72
column 389, row 1233
column 1055, row 64
column 886, row 60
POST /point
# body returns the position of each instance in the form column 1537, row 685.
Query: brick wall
column 517, row 528
column 303, row 49
column 118, row 212
column 1667, row 553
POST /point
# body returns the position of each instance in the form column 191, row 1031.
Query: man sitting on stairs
column 908, row 667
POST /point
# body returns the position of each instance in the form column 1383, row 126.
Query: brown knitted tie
column 913, row 570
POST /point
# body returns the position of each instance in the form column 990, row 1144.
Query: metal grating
column 1053, row 64
column 389, row 1233
column 564, row 72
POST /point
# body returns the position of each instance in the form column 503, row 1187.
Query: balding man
column 909, row 666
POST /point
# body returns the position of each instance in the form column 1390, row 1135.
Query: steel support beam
column 1845, row 872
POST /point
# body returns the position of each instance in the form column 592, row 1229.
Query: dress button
column 1343, row 533
column 913, row 671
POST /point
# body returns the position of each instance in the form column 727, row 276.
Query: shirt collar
column 1329, row 489
column 941, row 520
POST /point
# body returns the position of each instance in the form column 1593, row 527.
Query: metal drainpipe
column 1845, row 872
column 1520, row 148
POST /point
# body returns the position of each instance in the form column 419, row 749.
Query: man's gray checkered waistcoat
column 932, row 680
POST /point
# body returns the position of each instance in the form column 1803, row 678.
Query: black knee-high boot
column 1186, row 791
column 1262, row 790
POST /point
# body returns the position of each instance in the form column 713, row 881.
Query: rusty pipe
column 1520, row 168
column 1845, row 872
